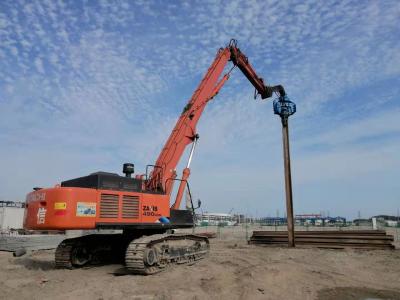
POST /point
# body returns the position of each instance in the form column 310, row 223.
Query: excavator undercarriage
column 144, row 255
column 152, row 254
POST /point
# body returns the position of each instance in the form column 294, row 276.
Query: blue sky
column 88, row 85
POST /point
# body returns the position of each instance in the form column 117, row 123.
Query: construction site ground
column 233, row 270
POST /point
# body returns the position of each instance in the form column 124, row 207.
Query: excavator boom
column 184, row 132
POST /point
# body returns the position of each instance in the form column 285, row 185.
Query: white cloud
column 372, row 127
column 39, row 65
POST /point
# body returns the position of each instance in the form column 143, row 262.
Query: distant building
column 362, row 222
column 306, row 220
column 215, row 219
column 273, row 221
column 390, row 221
column 386, row 218
column 319, row 220
column 11, row 215
column 240, row 218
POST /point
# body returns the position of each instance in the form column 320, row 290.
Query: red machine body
column 62, row 208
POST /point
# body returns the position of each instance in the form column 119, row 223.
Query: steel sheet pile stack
column 360, row 239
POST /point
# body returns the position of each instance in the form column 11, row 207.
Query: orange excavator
column 138, row 206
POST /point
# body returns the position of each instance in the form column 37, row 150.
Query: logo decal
column 86, row 209
column 151, row 211
column 41, row 215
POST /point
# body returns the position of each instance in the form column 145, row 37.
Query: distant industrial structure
column 224, row 219
column 306, row 220
column 389, row 221
column 216, row 219
column 319, row 220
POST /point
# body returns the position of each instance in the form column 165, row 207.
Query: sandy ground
column 233, row 270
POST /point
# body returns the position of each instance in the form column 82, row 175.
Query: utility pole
column 398, row 224
column 285, row 108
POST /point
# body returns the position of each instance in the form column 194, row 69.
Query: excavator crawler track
column 152, row 254
column 63, row 254
column 91, row 250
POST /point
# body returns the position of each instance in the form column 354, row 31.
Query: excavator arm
column 184, row 133
column 242, row 62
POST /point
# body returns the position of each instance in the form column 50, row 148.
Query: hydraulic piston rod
column 185, row 175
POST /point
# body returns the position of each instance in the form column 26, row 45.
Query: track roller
column 152, row 254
